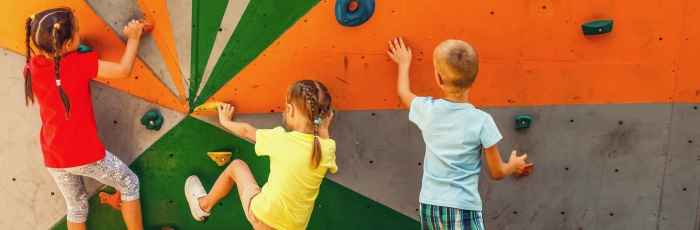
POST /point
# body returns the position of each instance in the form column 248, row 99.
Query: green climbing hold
column 83, row 49
column 522, row 122
column 597, row 27
column 152, row 120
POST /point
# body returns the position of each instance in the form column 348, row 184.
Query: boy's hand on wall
column 133, row 30
column 225, row 112
column 518, row 162
column 399, row 52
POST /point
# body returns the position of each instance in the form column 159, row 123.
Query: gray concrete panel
column 596, row 166
column 116, row 14
column 180, row 13
column 118, row 116
column 29, row 197
column 679, row 200
column 590, row 172
column 232, row 15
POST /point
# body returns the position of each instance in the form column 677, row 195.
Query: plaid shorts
column 434, row 217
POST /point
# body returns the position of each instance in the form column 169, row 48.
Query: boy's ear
column 438, row 78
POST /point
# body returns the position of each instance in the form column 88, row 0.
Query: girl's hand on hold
column 399, row 52
column 225, row 112
column 326, row 121
column 133, row 30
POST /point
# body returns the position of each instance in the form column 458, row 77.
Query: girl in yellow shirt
column 298, row 162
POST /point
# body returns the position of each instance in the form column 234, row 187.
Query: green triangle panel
column 262, row 23
column 206, row 20
column 182, row 152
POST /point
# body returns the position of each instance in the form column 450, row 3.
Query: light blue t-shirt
column 454, row 134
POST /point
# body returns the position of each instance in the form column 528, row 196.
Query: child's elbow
column 498, row 176
column 126, row 73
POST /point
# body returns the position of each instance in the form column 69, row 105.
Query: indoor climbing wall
column 614, row 116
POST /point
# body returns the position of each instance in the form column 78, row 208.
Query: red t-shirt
column 67, row 142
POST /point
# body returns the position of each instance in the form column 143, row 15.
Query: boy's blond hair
column 457, row 64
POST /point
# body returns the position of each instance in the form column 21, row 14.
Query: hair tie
column 57, row 26
column 318, row 121
column 33, row 16
column 58, row 82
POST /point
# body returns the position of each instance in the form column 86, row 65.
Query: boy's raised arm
column 402, row 56
column 242, row 129
column 499, row 170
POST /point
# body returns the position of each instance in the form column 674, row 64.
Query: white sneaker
column 193, row 191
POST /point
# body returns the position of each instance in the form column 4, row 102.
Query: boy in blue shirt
column 454, row 133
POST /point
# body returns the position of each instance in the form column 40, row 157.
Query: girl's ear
column 290, row 110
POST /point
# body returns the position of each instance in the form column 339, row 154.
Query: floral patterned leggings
column 110, row 171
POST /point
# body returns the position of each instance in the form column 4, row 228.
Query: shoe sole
column 187, row 196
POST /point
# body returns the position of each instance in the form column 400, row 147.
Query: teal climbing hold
column 83, row 48
column 353, row 12
column 152, row 120
column 522, row 122
column 597, row 27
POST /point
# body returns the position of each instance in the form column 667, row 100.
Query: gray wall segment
column 232, row 15
column 576, row 150
column 116, row 14
column 118, row 116
column 574, row 181
column 180, row 13
column 26, row 201
column 681, row 179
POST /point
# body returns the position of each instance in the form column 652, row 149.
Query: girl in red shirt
column 58, row 78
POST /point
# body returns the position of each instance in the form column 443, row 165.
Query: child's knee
column 130, row 192
column 78, row 210
column 234, row 165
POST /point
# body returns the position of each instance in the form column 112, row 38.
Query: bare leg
column 236, row 172
column 76, row 226
column 131, row 211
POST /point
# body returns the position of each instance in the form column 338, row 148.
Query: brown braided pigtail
column 314, row 116
column 28, row 93
column 57, row 66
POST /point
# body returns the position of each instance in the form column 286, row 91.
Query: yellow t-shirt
column 288, row 197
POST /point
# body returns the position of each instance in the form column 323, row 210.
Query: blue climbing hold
column 152, row 120
column 83, row 48
column 353, row 12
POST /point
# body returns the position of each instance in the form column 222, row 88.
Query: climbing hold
column 221, row 158
column 597, row 27
column 113, row 200
column 526, row 171
column 522, row 122
column 152, row 120
column 83, row 49
column 208, row 107
column 353, row 12
column 147, row 26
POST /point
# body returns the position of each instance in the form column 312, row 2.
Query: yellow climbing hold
column 221, row 158
column 208, row 107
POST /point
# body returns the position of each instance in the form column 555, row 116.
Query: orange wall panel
column 157, row 12
column 368, row 82
column 688, row 84
column 531, row 53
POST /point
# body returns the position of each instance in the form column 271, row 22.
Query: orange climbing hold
column 113, row 200
column 147, row 26
column 526, row 171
